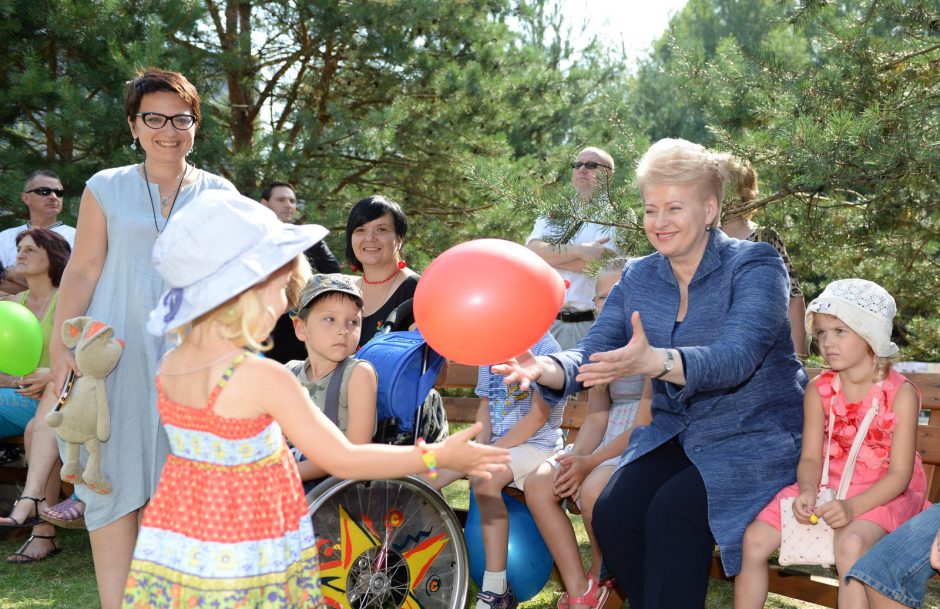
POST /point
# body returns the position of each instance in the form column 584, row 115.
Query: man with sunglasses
column 591, row 173
column 42, row 194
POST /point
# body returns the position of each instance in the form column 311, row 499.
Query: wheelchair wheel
column 388, row 544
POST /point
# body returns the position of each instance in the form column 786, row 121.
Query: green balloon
column 20, row 339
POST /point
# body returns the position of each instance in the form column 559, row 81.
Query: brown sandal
column 32, row 520
column 20, row 555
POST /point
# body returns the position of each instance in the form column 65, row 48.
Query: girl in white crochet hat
column 852, row 321
column 228, row 524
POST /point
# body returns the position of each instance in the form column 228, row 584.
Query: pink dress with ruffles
column 873, row 457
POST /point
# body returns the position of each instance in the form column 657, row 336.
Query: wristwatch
column 667, row 364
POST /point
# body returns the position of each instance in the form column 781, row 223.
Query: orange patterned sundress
column 227, row 526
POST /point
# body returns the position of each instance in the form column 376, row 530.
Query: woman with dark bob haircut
column 375, row 234
column 111, row 278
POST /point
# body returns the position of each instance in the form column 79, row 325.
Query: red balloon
column 485, row 301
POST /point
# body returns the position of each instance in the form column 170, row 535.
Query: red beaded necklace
column 400, row 266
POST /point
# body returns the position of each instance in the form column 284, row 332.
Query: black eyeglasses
column 589, row 165
column 155, row 120
column 45, row 191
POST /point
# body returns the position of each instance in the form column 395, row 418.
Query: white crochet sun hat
column 216, row 247
column 862, row 305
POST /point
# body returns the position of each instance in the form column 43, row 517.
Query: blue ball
column 529, row 563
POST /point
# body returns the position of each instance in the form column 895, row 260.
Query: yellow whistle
column 813, row 518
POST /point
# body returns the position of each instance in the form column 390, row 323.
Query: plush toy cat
column 83, row 419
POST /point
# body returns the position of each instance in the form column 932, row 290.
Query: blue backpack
column 407, row 369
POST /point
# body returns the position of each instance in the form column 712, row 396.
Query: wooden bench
column 792, row 582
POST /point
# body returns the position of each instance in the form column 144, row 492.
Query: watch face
column 388, row 544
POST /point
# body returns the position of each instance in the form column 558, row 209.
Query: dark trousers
column 651, row 522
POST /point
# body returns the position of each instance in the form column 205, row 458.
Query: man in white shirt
column 591, row 173
column 43, row 195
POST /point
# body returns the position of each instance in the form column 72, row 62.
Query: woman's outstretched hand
column 523, row 369
column 634, row 358
column 459, row 452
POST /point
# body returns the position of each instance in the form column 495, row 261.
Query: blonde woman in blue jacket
column 706, row 317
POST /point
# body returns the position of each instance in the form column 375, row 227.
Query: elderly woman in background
column 111, row 278
column 705, row 317
column 375, row 234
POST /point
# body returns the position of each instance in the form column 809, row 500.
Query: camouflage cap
column 323, row 283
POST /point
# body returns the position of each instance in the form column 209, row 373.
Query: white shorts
column 525, row 460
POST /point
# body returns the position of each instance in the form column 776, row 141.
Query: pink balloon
column 485, row 301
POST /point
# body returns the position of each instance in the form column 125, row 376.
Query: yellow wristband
column 429, row 458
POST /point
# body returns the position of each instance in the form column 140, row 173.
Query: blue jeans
column 898, row 566
column 15, row 412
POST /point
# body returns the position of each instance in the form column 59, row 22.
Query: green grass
column 63, row 581
column 67, row 580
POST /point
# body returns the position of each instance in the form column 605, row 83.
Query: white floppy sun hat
column 216, row 247
column 862, row 305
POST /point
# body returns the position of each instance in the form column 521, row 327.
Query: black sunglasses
column 45, row 191
column 589, row 165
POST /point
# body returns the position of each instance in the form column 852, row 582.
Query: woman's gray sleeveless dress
column 127, row 290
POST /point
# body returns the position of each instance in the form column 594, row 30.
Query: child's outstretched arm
column 276, row 391
column 903, row 444
column 809, row 469
column 447, row 476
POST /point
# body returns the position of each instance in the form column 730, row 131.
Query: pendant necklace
column 163, row 201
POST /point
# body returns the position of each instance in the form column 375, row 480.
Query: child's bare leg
column 876, row 600
column 851, row 541
column 494, row 517
column 555, row 528
column 750, row 586
column 591, row 489
column 112, row 547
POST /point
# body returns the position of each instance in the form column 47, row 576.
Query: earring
column 354, row 268
column 133, row 145
column 708, row 229
column 191, row 150
column 401, row 264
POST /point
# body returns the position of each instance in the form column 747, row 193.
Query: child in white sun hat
column 228, row 524
column 852, row 321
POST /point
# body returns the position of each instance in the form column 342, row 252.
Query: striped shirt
column 508, row 405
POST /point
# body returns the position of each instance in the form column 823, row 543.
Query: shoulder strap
column 220, row 385
column 331, row 407
column 836, row 386
column 857, row 443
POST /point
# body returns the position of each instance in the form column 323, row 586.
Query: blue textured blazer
column 740, row 414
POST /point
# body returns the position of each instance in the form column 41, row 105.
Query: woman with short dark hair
column 375, row 234
column 112, row 279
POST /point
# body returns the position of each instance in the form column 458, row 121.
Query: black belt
column 575, row 316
